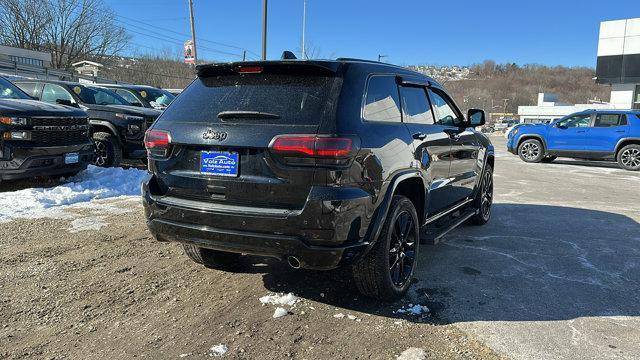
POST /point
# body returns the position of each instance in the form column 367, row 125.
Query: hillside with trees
column 488, row 84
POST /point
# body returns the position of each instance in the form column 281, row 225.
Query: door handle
column 581, row 131
column 454, row 134
column 419, row 136
column 620, row 131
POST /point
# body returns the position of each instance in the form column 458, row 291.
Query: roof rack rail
column 361, row 60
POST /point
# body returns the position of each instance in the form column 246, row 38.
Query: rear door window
column 416, row 105
column 127, row 95
column 382, row 102
column 287, row 99
column 609, row 120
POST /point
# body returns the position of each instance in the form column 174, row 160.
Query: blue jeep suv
column 591, row 134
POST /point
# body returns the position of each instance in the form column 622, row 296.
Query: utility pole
column 381, row 56
column 304, row 25
column 193, row 33
column 264, row 29
column 504, row 110
column 244, row 55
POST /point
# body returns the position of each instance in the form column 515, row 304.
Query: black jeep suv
column 321, row 163
column 40, row 139
column 117, row 127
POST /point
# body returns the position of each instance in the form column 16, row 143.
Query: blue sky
column 560, row 32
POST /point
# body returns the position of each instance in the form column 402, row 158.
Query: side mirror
column 66, row 102
column 476, row 117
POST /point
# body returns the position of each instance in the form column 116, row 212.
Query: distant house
column 87, row 68
column 25, row 57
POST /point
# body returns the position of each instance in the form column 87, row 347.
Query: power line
column 186, row 35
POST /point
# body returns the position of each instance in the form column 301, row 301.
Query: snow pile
column 218, row 350
column 93, row 183
column 416, row 309
column 91, row 223
column 279, row 299
column 413, row 354
column 280, row 312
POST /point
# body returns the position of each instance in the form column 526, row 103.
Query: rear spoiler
column 289, row 67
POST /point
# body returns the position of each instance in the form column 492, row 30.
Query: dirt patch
column 112, row 291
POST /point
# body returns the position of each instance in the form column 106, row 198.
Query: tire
column 629, row 157
column 108, row 150
column 548, row 159
column 212, row 259
column 531, row 151
column 378, row 274
column 484, row 198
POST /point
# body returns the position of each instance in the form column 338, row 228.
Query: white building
column 619, row 61
column 25, row 57
column 618, row 66
column 549, row 108
column 87, row 68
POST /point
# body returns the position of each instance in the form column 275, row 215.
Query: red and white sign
column 188, row 52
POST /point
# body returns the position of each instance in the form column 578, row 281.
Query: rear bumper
column 330, row 231
column 26, row 162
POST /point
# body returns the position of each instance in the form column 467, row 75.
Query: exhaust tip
column 293, row 262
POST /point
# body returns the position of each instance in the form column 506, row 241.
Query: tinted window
column 416, row 105
column 157, row 97
column 382, row 103
column 608, row 120
column 53, row 92
column 444, row 109
column 10, row 91
column 295, row 99
column 98, row 96
column 128, row 96
column 575, row 121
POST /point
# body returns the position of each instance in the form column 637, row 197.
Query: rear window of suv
column 294, row 99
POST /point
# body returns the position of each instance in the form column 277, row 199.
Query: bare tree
column 71, row 30
column 22, row 23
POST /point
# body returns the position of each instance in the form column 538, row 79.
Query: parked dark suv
column 117, row 127
column 143, row 95
column 40, row 139
column 321, row 163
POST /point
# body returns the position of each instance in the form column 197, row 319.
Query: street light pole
column 193, row 33
column 381, row 56
column 264, row 29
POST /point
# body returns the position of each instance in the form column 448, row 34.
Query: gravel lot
column 555, row 274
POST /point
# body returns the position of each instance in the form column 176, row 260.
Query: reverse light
column 157, row 143
column 313, row 146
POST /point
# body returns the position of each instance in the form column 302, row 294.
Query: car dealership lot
column 555, row 274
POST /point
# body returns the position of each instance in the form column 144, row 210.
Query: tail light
column 304, row 149
column 249, row 69
column 157, row 143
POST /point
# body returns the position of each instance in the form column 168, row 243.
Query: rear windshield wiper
column 247, row 115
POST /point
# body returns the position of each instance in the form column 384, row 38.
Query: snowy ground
column 82, row 190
